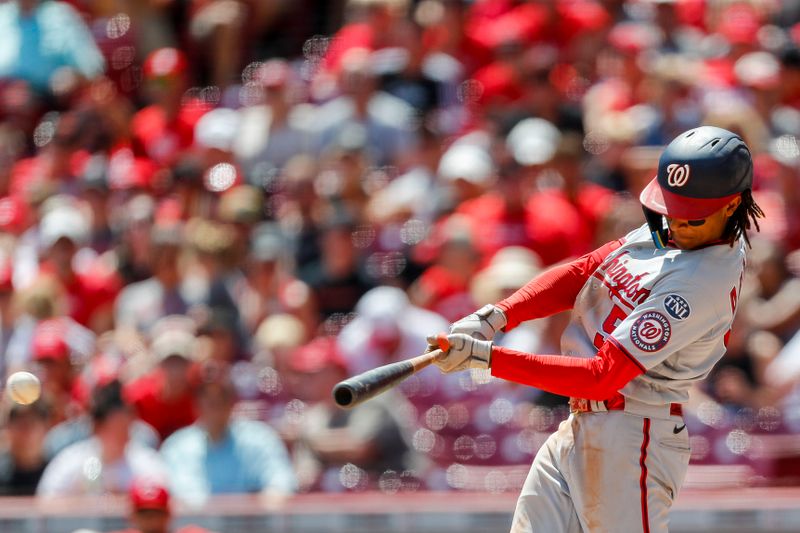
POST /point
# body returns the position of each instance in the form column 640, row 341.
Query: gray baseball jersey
column 669, row 309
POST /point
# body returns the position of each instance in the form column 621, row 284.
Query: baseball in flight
column 23, row 387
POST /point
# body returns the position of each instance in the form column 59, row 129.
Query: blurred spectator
column 373, row 25
column 7, row 314
column 266, row 388
column 387, row 328
column 403, row 72
column 221, row 455
column 372, row 436
column 337, row 280
column 23, row 460
column 275, row 128
column 220, row 337
column 165, row 128
column 215, row 28
column 414, row 194
column 109, row 460
column 299, row 212
column 217, row 271
column 214, row 137
column 270, row 285
column 774, row 305
column 385, row 119
column 133, row 251
column 565, row 210
column 467, row 169
column 59, row 348
column 739, row 379
column 43, row 39
column 39, row 301
column 443, row 287
column 446, row 33
column 142, row 304
column 150, row 510
column 89, row 291
column 164, row 397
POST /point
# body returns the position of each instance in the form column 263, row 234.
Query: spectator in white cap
column 468, row 168
column 533, row 141
column 217, row 129
column 509, row 270
column 90, row 283
column 386, row 328
column 214, row 135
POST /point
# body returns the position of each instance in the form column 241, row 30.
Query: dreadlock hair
column 745, row 216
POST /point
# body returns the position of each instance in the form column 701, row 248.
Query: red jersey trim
column 643, row 476
column 618, row 345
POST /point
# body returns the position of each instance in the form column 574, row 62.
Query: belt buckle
column 579, row 405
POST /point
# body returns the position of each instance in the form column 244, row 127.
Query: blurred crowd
column 214, row 210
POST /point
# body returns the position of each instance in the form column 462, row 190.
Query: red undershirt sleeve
column 593, row 378
column 554, row 290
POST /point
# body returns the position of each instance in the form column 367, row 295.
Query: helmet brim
column 662, row 201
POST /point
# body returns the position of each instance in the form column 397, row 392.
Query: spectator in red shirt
column 90, row 291
column 52, row 356
column 444, row 286
column 150, row 510
column 164, row 398
column 7, row 315
column 373, row 26
column 564, row 215
column 165, row 128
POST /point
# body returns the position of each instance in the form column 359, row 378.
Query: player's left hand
column 464, row 352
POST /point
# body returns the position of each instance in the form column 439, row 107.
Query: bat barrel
column 352, row 391
column 344, row 394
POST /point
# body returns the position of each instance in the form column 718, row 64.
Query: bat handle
column 444, row 344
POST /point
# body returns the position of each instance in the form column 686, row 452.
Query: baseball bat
column 360, row 388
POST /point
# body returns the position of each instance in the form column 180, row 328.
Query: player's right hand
column 483, row 324
column 462, row 352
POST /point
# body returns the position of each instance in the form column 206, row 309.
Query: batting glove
column 463, row 352
column 483, row 324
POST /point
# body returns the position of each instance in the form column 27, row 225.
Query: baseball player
column 651, row 315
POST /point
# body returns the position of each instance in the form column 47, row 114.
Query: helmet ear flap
column 658, row 229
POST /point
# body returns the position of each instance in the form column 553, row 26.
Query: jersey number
column 611, row 322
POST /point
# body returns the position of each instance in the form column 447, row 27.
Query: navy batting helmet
column 699, row 172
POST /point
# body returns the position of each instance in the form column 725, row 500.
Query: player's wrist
column 494, row 316
column 481, row 354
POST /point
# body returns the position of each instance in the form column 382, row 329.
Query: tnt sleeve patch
column 651, row 332
column 677, row 307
